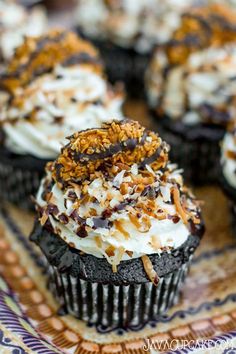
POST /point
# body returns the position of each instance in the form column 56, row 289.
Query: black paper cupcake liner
column 124, row 64
column 86, row 287
column 18, row 185
column 196, row 150
column 109, row 306
column 230, row 192
column 233, row 218
column 20, row 178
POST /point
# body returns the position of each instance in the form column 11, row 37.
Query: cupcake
column 228, row 165
column 15, row 23
column 54, row 85
column 117, row 226
column 126, row 32
column 191, row 87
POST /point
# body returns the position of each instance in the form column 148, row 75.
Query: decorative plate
column 204, row 318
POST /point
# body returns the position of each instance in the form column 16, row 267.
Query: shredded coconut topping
column 192, row 77
column 55, row 86
column 38, row 55
column 100, row 197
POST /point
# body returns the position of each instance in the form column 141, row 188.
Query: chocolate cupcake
column 117, row 226
column 126, row 32
column 228, row 165
column 15, row 23
column 191, row 89
column 53, row 86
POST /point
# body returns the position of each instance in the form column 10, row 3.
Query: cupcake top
column 228, row 157
column 15, row 23
column 138, row 24
column 53, row 86
column 112, row 193
column 192, row 78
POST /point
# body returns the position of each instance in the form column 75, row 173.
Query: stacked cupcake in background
column 191, row 89
column 17, row 22
column 117, row 225
column 54, row 85
column 228, row 165
column 126, row 32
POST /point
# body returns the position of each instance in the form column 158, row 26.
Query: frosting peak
column 112, row 193
column 124, row 143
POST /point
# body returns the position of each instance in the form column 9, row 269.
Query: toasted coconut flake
column 148, row 267
column 118, row 225
column 179, row 208
column 43, row 219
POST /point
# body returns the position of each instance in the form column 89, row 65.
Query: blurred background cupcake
column 191, row 89
column 126, row 31
column 16, row 22
column 53, row 86
column 117, row 225
column 228, row 164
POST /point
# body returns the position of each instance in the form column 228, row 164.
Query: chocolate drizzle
column 129, row 144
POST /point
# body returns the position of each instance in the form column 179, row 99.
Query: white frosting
column 207, row 78
column 15, row 23
column 59, row 103
column 131, row 23
column 229, row 164
column 151, row 237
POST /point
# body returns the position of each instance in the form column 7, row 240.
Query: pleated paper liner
column 109, row 306
column 198, row 156
column 20, row 177
column 29, row 312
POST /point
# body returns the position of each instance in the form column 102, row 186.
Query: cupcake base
column 86, row 287
column 123, row 64
column 19, row 177
column 195, row 148
column 116, row 306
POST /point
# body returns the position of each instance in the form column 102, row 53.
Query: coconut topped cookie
column 53, row 86
column 113, row 193
column 17, row 22
column 192, row 77
column 39, row 55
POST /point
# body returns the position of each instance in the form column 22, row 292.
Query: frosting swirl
column 53, row 96
column 138, row 24
column 112, row 193
column 192, row 77
column 15, row 23
column 228, row 155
